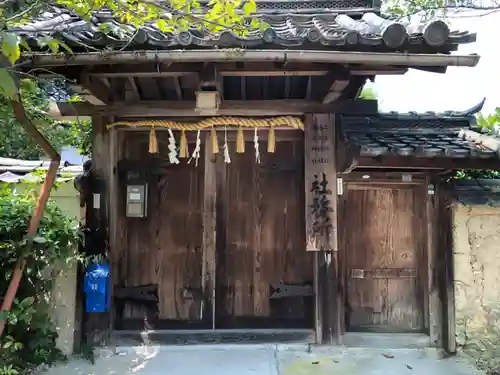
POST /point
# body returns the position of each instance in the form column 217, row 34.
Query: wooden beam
column 97, row 88
column 135, row 90
column 86, row 94
column 437, row 163
column 321, row 218
column 248, row 69
column 336, row 90
column 227, row 108
column 209, row 233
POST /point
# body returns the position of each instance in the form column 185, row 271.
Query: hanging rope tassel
column 227, row 157
column 240, row 141
column 172, row 148
column 215, row 144
column 256, row 146
column 196, row 153
column 153, row 141
column 183, row 146
column 271, row 141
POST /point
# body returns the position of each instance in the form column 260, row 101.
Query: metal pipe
column 47, row 185
column 338, row 57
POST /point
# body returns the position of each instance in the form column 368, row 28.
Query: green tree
column 15, row 142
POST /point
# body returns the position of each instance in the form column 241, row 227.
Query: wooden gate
column 262, row 257
column 263, row 275
column 383, row 241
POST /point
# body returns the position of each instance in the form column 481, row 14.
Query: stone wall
column 476, row 246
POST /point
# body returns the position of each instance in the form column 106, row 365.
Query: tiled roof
column 286, row 26
column 425, row 134
column 17, row 170
column 476, row 192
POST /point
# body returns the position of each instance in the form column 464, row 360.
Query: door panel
column 265, row 239
column 383, row 253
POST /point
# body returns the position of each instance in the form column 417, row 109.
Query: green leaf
column 10, row 46
column 39, row 240
column 28, row 301
column 8, row 87
column 250, row 7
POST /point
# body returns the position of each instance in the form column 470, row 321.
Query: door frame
column 431, row 286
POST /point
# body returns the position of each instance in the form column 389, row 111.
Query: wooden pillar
column 209, row 233
column 97, row 326
column 433, row 262
column 445, row 249
column 321, row 222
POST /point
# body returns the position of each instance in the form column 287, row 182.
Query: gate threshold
column 218, row 336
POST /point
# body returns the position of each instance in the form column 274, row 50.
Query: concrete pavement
column 266, row 359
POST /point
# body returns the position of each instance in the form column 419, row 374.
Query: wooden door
column 163, row 252
column 383, row 231
column 263, row 240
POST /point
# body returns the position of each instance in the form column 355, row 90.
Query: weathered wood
column 321, row 220
column 435, row 309
column 445, row 267
column 264, row 238
column 97, row 326
column 97, row 88
column 249, row 69
column 227, row 108
column 381, row 234
column 168, row 243
column 113, row 201
column 209, row 234
column 320, row 183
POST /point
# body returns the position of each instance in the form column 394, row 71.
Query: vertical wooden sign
column 320, row 183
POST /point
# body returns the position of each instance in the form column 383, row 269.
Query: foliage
column 15, row 142
column 29, row 338
column 435, row 8
column 174, row 15
column 368, row 93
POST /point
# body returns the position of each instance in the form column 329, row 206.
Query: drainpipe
column 47, row 185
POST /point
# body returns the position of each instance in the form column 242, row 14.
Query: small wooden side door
column 384, row 234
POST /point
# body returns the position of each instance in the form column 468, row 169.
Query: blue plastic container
column 97, row 286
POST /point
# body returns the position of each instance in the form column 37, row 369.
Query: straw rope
column 292, row 122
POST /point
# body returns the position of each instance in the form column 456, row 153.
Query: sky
column 459, row 88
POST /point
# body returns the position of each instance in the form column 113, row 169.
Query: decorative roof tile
column 476, row 192
column 290, row 28
column 426, row 134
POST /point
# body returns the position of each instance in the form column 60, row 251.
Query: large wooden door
column 163, row 252
column 263, row 240
column 383, row 251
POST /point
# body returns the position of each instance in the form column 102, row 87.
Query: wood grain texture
column 434, row 303
column 209, row 232
column 320, row 168
column 382, row 234
column 264, row 231
column 166, row 247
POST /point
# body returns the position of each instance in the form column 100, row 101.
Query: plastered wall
column 476, row 245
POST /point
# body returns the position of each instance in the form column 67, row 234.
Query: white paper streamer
column 196, row 151
column 227, row 158
column 256, row 146
column 172, row 155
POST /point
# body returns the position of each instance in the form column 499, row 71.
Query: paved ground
column 267, row 360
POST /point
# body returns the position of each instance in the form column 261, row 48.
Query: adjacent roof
column 18, row 171
column 330, row 24
column 415, row 134
column 476, row 192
